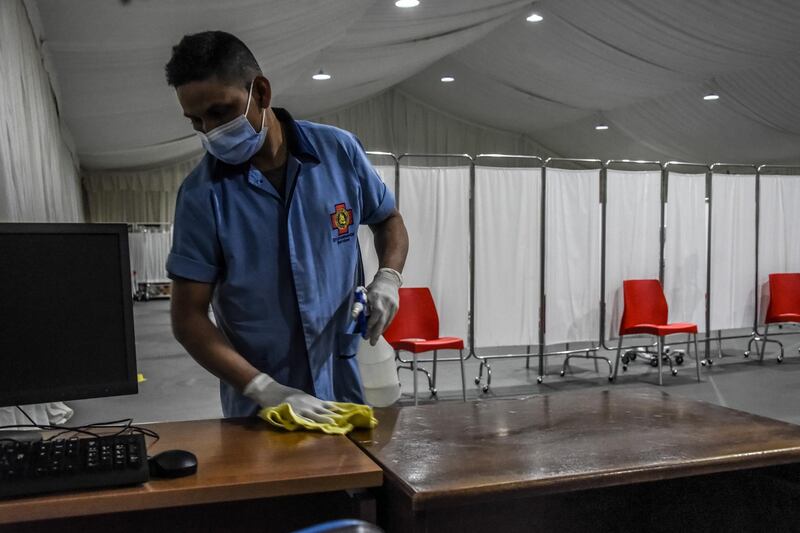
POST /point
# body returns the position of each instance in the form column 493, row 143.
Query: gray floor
column 176, row 388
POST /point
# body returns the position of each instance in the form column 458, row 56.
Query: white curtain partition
column 633, row 219
column 38, row 177
column 733, row 261
column 365, row 240
column 685, row 248
column 572, row 261
column 149, row 250
column 779, row 232
column 507, row 264
column 434, row 203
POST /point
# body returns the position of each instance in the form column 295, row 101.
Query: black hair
column 204, row 55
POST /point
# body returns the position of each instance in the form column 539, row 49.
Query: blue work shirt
column 284, row 269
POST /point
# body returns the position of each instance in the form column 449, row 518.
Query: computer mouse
column 173, row 463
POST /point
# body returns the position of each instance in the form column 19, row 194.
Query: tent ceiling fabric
column 642, row 66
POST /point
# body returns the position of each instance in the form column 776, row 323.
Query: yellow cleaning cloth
column 347, row 417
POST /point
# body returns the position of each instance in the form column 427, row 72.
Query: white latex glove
column 267, row 392
column 383, row 298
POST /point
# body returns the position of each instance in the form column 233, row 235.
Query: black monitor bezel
column 70, row 391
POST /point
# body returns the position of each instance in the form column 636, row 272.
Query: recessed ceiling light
column 321, row 76
column 535, row 17
column 601, row 127
column 407, row 3
column 711, row 96
column 448, row 79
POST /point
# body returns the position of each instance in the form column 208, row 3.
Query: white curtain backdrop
column 434, row 203
column 365, row 240
column 395, row 122
column 633, row 219
column 733, row 244
column 149, row 250
column 136, row 196
column 572, row 271
column 507, row 269
column 778, row 230
column 38, row 177
column 685, row 248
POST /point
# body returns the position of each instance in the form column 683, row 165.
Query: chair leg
column 414, row 371
column 659, row 353
column 433, row 385
column 463, row 379
column 764, row 344
column 696, row 357
column 616, row 364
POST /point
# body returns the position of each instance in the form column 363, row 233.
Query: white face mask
column 235, row 142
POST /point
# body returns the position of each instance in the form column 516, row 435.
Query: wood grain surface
column 238, row 459
column 462, row 453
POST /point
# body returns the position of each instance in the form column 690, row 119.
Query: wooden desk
column 239, row 460
column 502, row 464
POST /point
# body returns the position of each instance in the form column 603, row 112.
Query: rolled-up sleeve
column 195, row 253
column 377, row 200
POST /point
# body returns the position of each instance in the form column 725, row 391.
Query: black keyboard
column 28, row 468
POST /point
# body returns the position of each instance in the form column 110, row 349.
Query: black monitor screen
column 66, row 324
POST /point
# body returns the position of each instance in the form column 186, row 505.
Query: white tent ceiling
column 642, row 66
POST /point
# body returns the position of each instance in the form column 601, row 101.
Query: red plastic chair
column 646, row 313
column 415, row 329
column 784, row 305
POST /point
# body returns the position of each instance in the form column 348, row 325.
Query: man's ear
column 262, row 92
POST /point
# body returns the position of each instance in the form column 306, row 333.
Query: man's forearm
column 208, row 347
column 391, row 242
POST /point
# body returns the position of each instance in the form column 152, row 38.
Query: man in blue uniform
column 266, row 232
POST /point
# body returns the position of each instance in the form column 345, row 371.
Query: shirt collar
column 297, row 144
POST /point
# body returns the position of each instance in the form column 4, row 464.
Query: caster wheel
column 485, row 389
column 633, row 356
column 747, row 354
column 625, row 359
column 434, row 392
column 674, row 371
column 539, row 379
column 780, row 360
column 703, row 362
column 477, row 381
column 610, row 378
column 679, row 359
column 654, row 362
column 562, row 373
column 710, row 362
column 624, row 368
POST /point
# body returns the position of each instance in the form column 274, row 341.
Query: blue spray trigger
column 360, row 312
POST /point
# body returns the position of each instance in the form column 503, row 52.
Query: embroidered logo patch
column 341, row 219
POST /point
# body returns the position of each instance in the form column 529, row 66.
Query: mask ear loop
column 263, row 111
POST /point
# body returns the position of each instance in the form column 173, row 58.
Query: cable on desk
column 122, row 426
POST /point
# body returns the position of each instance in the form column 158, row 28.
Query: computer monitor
column 66, row 313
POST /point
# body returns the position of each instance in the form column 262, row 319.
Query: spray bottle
column 376, row 363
